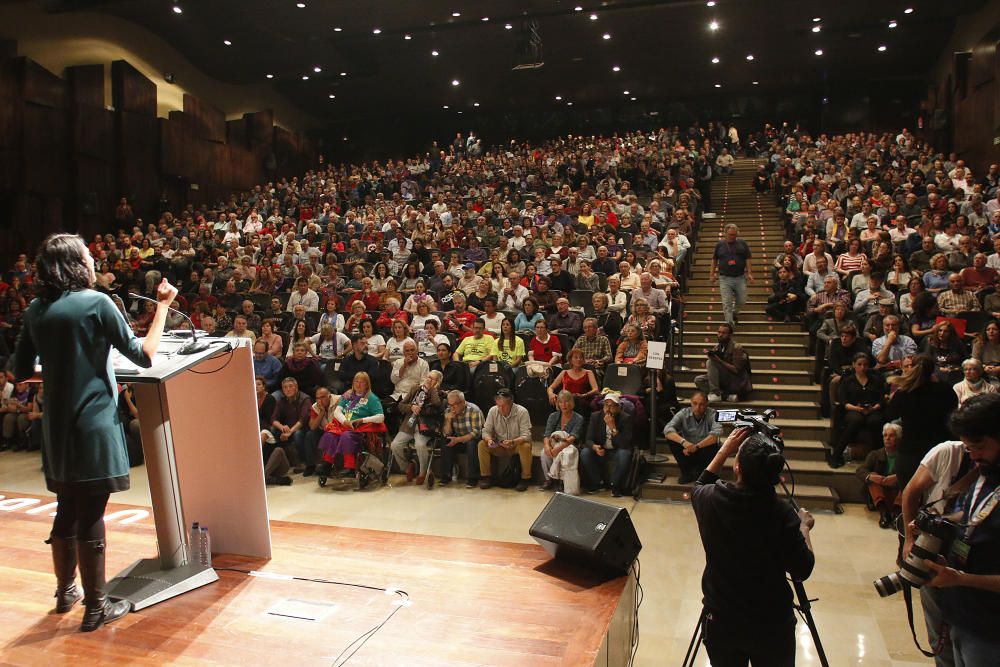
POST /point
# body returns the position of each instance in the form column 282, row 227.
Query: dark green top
column 84, row 445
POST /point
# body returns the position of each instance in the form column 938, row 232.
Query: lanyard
column 981, row 510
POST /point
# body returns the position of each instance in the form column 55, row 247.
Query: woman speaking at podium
column 70, row 329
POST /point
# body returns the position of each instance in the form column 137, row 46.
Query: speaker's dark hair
column 61, row 266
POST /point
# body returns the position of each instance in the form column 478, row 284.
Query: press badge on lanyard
column 980, row 512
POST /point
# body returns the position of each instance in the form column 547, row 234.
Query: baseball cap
column 614, row 398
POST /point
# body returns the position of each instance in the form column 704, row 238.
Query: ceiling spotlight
column 317, row 69
column 338, row 29
column 343, row 74
column 882, row 47
column 817, row 28
column 270, row 76
column 377, row 31
column 715, row 60
column 569, row 104
column 455, row 82
column 710, row 3
column 616, row 68
column 593, row 17
column 578, row 8
column 507, row 26
column 713, row 26
column 332, row 96
column 227, row 42
column 816, row 19
column 632, row 98
column 305, row 77
column 475, row 104
column 407, row 37
column 485, row 18
column 624, row 92
column 345, row 138
column 558, row 97
column 749, row 56
column 718, row 85
column 445, row 106
column 178, row 10
column 300, row 5
column 756, row 83
column 908, row 10
column 606, row 36
column 434, row 53
column 819, row 52
column 456, row 14
column 892, row 24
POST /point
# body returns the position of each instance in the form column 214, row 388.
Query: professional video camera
column 756, row 422
column 936, row 535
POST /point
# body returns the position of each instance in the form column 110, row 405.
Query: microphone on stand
column 194, row 346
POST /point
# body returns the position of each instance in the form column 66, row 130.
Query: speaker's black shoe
column 100, row 609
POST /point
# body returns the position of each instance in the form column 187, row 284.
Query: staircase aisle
column 779, row 355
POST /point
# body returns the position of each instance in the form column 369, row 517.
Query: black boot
column 99, row 607
column 64, row 566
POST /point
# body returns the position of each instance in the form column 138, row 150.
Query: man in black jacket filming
column 752, row 539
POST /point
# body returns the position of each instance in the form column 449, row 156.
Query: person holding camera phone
column 968, row 575
column 727, row 369
column 752, row 539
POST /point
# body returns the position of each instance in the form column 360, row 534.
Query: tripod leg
column 805, row 609
column 696, row 640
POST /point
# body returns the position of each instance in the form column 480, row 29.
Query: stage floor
column 471, row 602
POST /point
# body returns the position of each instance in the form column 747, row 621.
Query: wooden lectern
column 201, row 441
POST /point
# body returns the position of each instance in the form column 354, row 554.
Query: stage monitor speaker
column 588, row 532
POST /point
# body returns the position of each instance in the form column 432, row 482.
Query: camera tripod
column 804, row 607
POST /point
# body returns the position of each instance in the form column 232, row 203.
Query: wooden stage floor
column 471, row 602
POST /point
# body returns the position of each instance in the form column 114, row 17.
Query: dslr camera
column 757, row 422
column 936, row 536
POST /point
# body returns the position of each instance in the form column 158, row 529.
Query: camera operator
column 969, row 578
column 751, row 539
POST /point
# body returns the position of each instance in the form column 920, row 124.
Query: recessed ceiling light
column 558, row 97
column 338, row 29
column 710, row 3
column 632, row 98
column 817, row 28
column 445, row 106
column 455, row 82
column 714, row 25
column 178, row 10
column 578, row 8
column 475, row 104
column 317, row 69
column 718, row 85
column 616, row 68
column 459, row 112
column 817, row 19
column 343, row 74
column 456, row 14
column 345, row 138
column 407, row 37
column 377, row 31
column 305, row 77
column 332, row 96
column 300, row 5
column 507, row 26
column 434, row 53
column 892, row 24
column 715, row 60
column 624, row 92
column 227, row 42
column 270, row 76
column 908, row 10
column 606, row 36
column 593, row 17
column 882, row 47
column 749, row 56
column 819, row 52
column 485, row 18
column 569, row 104
column 756, row 83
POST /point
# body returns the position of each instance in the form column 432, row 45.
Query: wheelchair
column 372, row 465
column 435, row 447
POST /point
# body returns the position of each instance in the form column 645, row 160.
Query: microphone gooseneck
column 194, row 346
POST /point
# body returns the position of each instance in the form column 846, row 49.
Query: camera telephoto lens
column 888, row 585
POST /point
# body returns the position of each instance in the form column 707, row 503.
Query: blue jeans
column 298, row 441
column 973, row 650
column 593, row 472
column 733, row 291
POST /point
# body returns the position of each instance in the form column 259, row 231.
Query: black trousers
column 854, row 424
column 733, row 646
column 695, row 463
column 80, row 515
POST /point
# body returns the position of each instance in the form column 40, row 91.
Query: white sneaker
column 733, row 398
column 714, row 398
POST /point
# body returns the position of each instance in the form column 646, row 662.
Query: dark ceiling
column 664, row 48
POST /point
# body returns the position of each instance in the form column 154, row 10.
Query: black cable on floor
column 363, row 638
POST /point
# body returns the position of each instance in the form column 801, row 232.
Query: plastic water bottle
column 206, row 547
column 193, row 540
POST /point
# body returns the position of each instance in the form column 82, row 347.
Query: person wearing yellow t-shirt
column 477, row 347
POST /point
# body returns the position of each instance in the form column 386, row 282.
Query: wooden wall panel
column 10, row 108
column 93, row 132
column 236, row 132
column 260, row 126
column 131, row 91
column 40, row 86
column 138, row 173
column 86, row 85
column 173, row 145
column 46, row 157
column 206, row 121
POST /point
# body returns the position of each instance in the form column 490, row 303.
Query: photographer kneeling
column 751, row 539
column 970, row 577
